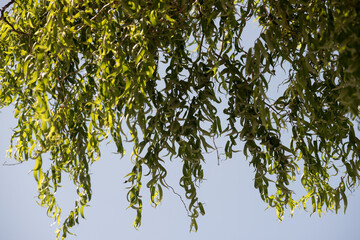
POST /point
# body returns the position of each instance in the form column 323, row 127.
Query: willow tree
column 81, row 71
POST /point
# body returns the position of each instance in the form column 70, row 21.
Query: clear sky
column 234, row 209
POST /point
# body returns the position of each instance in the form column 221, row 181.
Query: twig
column 182, row 200
column 10, row 164
column 270, row 106
column 217, row 151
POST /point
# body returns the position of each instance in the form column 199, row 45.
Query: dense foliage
column 81, row 71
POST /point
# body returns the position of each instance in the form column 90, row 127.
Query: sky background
column 234, row 209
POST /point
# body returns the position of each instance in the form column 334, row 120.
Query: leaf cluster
column 81, row 71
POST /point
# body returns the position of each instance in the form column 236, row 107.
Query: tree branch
column 2, row 17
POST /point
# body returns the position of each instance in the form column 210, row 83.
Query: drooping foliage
column 154, row 72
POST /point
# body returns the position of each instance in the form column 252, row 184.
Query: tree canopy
column 158, row 73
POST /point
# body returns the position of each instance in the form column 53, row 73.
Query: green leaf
column 38, row 163
column 82, row 211
column 153, row 17
column 201, row 207
column 249, row 62
column 139, row 56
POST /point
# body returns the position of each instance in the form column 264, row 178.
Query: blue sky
column 234, row 209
